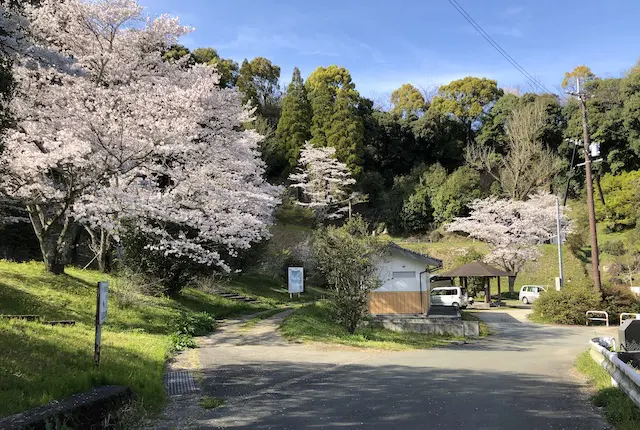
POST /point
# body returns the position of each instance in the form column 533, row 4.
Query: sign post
column 101, row 317
column 296, row 281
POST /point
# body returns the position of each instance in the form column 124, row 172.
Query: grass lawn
column 273, row 292
column 40, row 363
column 619, row 410
column 313, row 323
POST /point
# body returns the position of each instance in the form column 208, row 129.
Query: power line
column 497, row 47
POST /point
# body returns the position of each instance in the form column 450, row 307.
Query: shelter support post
column 487, row 289
column 499, row 291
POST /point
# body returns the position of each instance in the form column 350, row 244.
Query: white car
column 449, row 296
column 530, row 293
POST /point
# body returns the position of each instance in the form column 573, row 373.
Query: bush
column 349, row 257
column 619, row 299
column 567, row 306
column 189, row 325
column 195, row 324
column 614, row 247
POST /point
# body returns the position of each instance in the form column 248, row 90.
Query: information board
column 296, row 280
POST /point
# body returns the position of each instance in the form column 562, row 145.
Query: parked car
column 530, row 293
column 449, row 296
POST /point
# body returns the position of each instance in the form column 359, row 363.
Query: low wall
column 443, row 327
column 622, row 375
column 86, row 410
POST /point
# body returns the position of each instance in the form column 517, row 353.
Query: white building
column 405, row 283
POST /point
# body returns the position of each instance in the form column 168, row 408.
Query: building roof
column 476, row 268
column 415, row 255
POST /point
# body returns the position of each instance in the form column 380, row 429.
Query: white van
column 449, row 296
column 531, row 293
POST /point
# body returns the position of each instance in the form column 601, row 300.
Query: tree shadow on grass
column 41, row 364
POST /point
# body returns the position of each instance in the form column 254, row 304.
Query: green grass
column 41, row 363
column 484, row 327
column 208, row 402
column 313, row 323
column 619, row 410
column 272, row 292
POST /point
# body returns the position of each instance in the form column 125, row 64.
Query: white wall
column 399, row 263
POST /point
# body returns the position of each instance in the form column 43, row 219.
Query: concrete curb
column 622, row 375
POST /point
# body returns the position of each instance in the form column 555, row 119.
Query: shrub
column 567, row 306
column 195, row 324
column 189, row 325
column 349, row 257
column 619, row 299
column 614, row 247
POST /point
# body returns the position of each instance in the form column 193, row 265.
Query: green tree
column 630, row 89
column 346, row 132
column 417, row 210
column 227, row 68
column 258, row 83
column 451, row 200
column 349, row 258
column 468, row 100
column 294, row 126
column 623, row 194
column 493, row 132
column 582, row 74
column 407, row 100
column 439, row 138
column 334, row 102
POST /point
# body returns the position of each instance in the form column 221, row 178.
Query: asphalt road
column 520, row 378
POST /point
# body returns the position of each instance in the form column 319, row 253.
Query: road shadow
column 288, row 394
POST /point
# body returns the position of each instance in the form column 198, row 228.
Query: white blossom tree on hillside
column 513, row 227
column 132, row 138
column 323, row 182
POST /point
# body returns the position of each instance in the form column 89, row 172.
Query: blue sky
column 427, row 43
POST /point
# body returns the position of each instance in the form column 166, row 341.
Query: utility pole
column 559, row 232
column 595, row 258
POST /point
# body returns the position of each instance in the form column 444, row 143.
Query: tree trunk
column 512, row 284
column 101, row 247
column 55, row 240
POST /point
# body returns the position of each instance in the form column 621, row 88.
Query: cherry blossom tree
column 513, row 227
column 131, row 139
column 323, row 182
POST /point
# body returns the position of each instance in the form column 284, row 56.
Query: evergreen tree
column 335, row 122
column 346, row 132
column 294, row 127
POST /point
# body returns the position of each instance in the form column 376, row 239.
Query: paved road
column 519, row 378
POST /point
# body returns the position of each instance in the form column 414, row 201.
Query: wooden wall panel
column 397, row 302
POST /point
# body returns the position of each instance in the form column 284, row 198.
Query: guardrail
column 594, row 318
column 622, row 375
column 627, row 314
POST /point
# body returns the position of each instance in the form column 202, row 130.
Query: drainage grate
column 179, row 382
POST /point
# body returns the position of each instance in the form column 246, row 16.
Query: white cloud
column 254, row 41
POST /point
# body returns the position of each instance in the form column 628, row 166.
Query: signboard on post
column 296, row 280
column 101, row 317
column 104, row 291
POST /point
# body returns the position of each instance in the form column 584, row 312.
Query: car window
column 436, row 292
column 525, row 289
